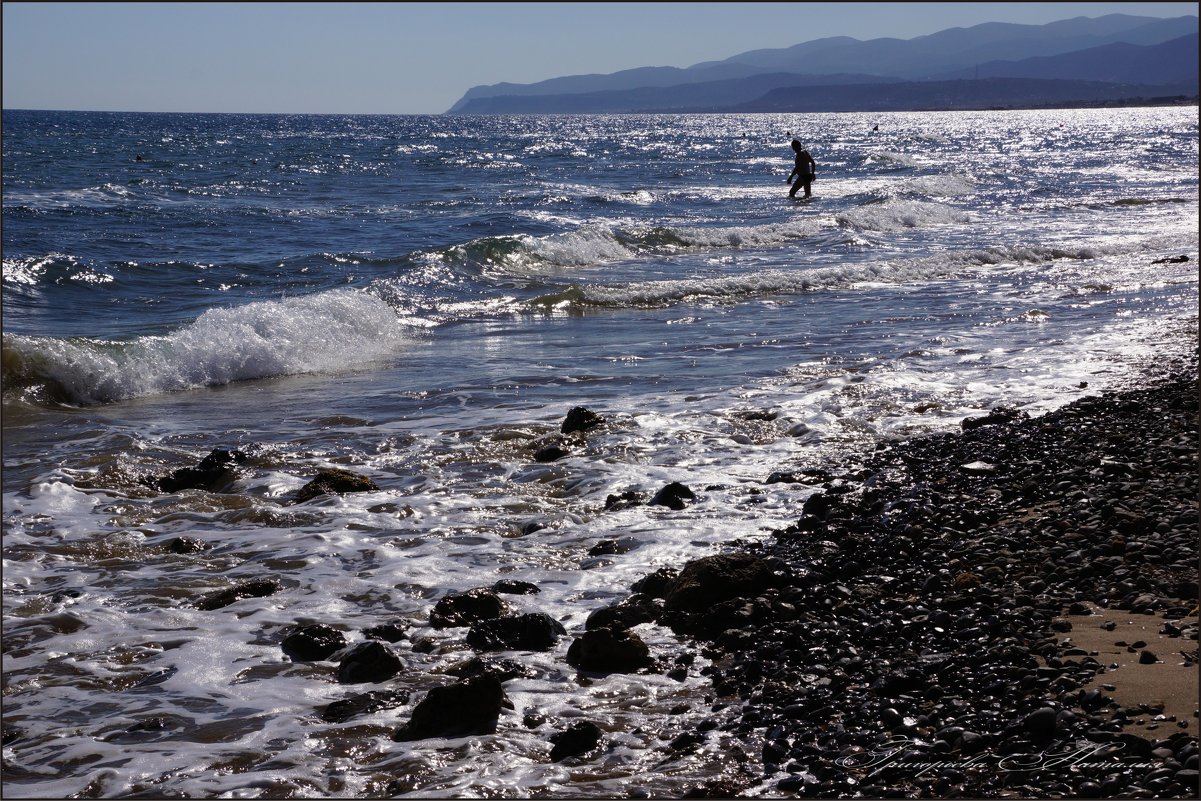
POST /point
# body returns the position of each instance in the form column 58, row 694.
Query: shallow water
column 421, row 300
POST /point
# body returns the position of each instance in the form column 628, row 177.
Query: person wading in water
column 804, row 171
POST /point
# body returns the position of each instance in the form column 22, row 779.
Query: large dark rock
column 580, row 419
column 713, row 579
column 257, row 588
column 464, row 709
column 609, row 650
column 335, row 482
column 215, row 473
column 465, row 608
column 313, row 643
column 535, row 631
column 578, row 739
column 370, row 661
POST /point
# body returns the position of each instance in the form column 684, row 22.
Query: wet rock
column 818, row 505
column 998, row 416
column 578, row 739
column 388, row 632
column 470, row 707
column 187, row 545
column 370, row 661
column 550, row 453
column 313, row 643
column 625, row 500
column 1041, row 724
column 215, row 473
column 656, row 585
column 580, row 419
column 632, row 611
column 535, row 631
column 335, row 482
column 258, row 588
column 712, row 579
column 465, row 608
column 502, row 669
column 515, row 587
column 611, row 547
column 806, row 476
column 363, row 704
column 674, row 496
column 1147, row 658
column 609, row 650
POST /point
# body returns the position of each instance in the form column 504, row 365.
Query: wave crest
column 326, row 332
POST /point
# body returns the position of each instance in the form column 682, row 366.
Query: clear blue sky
column 417, row 58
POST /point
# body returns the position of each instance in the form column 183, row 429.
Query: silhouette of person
column 805, row 170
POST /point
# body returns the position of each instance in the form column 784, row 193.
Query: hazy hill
column 960, row 48
column 996, row 48
column 684, row 97
column 1174, row 60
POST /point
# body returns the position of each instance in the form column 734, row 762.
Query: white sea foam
column 326, row 332
column 897, row 214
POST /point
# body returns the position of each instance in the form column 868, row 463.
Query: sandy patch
column 1170, row 682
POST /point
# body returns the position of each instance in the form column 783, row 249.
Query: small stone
column 674, row 496
column 580, row 419
column 313, row 643
column 580, row 738
column 370, row 661
column 609, row 650
column 466, row 608
column 335, row 482
column 515, row 587
column 258, row 588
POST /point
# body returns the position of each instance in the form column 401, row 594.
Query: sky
column 417, row 58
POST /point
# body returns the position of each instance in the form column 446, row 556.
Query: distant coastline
column 1113, row 61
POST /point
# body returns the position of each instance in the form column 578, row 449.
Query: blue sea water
column 422, row 300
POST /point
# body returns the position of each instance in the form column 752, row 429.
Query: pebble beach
column 929, row 631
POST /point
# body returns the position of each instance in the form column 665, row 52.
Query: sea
column 422, row 300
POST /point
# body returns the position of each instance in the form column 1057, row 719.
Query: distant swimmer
column 139, row 158
column 875, row 128
column 804, row 171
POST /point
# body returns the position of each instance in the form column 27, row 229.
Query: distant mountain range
column 994, row 65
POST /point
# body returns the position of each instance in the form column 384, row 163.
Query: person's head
column 797, row 146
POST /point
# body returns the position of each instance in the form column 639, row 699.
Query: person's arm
column 812, row 166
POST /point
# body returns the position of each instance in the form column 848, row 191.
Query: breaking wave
column 325, row 332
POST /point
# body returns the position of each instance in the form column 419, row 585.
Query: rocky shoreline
column 911, row 634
